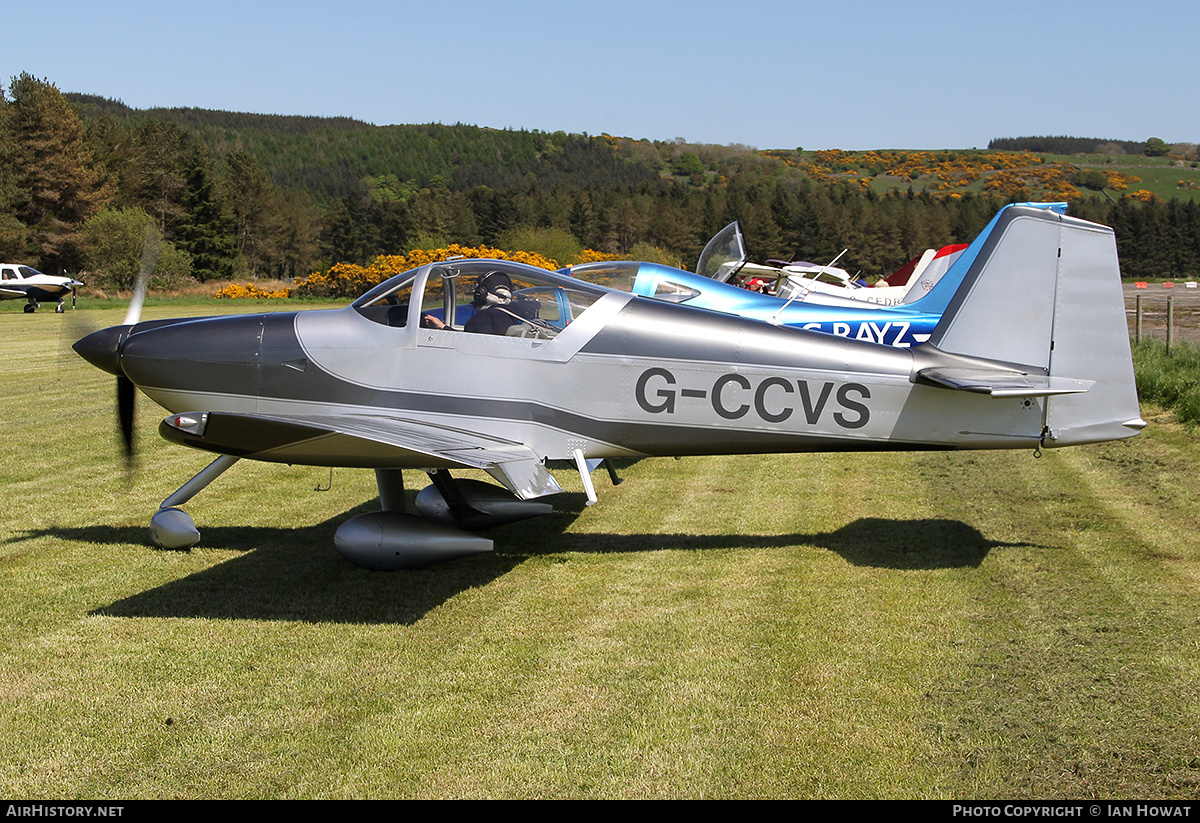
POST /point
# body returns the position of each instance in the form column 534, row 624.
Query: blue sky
column 839, row 74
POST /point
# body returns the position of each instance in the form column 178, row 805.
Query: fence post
column 1137, row 328
column 1170, row 322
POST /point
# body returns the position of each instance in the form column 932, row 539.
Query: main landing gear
column 384, row 540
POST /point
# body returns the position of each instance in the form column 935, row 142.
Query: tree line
column 84, row 181
column 1066, row 145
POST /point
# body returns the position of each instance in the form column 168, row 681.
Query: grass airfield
column 967, row 625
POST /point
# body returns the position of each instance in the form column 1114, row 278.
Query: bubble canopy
column 448, row 294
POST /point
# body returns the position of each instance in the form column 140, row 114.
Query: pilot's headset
column 493, row 288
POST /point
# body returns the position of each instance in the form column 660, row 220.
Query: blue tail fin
column 943, row 291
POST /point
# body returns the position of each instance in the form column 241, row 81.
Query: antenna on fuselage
column 801, row 291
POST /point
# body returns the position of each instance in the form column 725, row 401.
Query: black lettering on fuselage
column 813, row 413
column 733, row 396
column 864, row 414
column 718, row 407
column 760, row 404
column 666, row 396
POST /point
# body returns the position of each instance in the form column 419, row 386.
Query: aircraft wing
column 12, row 292
column 362, row 440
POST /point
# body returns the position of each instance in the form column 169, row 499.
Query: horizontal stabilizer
column 1002, row 382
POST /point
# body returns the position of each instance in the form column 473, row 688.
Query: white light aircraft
column 19, row 282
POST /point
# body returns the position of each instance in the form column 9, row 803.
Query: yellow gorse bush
column 1143, row 196
column 351, row 280
column 1012, row 174
column 1053, row 180
column 247, row 291
column 593, row 256
column 1120, row 182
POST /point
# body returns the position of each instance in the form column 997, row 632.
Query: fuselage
column 629, row 377
column 496, row 366
column 843, row 317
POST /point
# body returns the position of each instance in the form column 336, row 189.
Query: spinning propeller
column 102, row 348
column 125, row 388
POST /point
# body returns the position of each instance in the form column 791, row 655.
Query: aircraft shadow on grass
column 292, row 574
column 932, row 543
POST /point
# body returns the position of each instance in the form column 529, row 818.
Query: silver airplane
column 19, row 282
column 450, row 367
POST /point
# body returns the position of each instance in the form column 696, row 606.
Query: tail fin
column 938, row 298
column 929, row 269
column 1043, row 294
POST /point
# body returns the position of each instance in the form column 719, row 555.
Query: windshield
column 723, row 254
column 387, row 303
column 613, row 274
column 381, row 293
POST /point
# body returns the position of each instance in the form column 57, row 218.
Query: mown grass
column 975, row 625
column 1170, row 379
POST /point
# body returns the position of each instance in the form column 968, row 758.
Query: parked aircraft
column 725, row 259
column 26, row 283
column 811, row 283
column 920, row 274
column 719, row 284
column 1032, row 352
column 798, row 279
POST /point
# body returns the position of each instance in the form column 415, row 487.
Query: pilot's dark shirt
column 491, row 320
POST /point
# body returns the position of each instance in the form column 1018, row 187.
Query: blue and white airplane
column 902, row 326
column 26, row 283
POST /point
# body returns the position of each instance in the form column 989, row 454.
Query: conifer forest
column 84, row 181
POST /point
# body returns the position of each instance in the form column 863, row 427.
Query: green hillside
column 237, row 196
column 330, row 157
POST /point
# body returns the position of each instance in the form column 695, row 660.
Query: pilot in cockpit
column 496, row 310
column 493, row 302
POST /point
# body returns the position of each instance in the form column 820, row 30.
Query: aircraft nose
column 216, row 354
column 102, row 348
